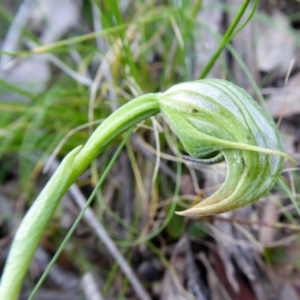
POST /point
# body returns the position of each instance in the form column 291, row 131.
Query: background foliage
column 69, row 66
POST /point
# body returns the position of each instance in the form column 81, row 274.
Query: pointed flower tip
column 187, row 213
column 204, row 211
column 179, row 213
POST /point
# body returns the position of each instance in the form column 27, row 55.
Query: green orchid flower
column 214, row 119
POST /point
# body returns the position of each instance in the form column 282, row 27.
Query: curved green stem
column 210, row 117
column 79, row 217
column 36, row 220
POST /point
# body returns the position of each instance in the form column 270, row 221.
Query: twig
column 58, row 63
column 285, row 94
column 12, row 38
column 258, row 223
column 90, row 288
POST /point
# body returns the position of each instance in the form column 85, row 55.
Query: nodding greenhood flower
column 214, row 119
column 217, row 120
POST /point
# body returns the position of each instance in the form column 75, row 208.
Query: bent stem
column 34, row 224
column 200, row 116
column 79, row 217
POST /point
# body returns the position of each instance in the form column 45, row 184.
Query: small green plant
column 213, row 119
